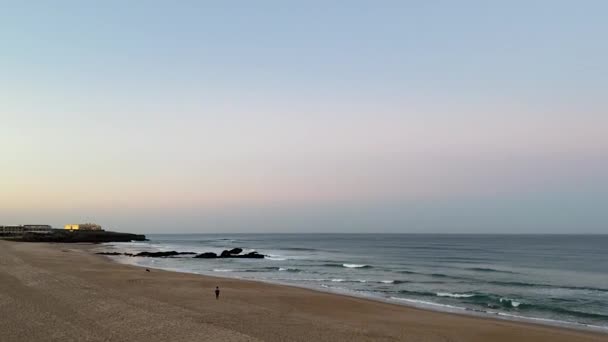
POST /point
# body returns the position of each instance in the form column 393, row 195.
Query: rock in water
column 252, row 255
column 232, row 252
column 227, row 254
column 235, row 251
column 208, row 255
column 162, row 254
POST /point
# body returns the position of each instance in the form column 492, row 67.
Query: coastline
column 128, row 304
column 311, row 267
column 414, row 304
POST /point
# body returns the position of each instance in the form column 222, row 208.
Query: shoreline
column 412, row 304
column 62, row 292
column 370, row 295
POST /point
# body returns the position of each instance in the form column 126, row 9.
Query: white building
column 20, row 229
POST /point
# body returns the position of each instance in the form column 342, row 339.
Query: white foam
column 511, row 301
column 222, row 270
column 275, row 258
column 454, row 295
column 338, row 280
column 387, row 281
column 425, row 303
column 353, row 265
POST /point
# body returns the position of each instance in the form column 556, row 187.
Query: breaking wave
column 348, row 265
column 355, row 266
column 455, row 295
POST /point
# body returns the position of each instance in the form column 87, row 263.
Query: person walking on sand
column 217, row 292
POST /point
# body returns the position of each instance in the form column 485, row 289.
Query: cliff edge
column 60, row 235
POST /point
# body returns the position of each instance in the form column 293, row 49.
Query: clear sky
column 307, row 116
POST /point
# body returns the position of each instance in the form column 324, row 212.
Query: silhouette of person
column 217, row 292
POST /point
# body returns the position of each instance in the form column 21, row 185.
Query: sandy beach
column 61, row 292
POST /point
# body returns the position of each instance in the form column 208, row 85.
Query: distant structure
column 26, row 228
column 82, row 226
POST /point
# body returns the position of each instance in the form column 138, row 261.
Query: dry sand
column 60, row 292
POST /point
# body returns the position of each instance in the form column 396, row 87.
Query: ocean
column 550, row 279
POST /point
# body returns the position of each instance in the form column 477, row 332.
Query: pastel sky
column 309, row 116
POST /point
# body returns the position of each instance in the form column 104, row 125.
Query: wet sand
column 62, row 292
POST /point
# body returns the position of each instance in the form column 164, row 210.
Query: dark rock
column 162, row 254
column 90, row 236
column 208, row 255
column 228, row 254
column 114, row 253
column 251, row 255
column 232, row 252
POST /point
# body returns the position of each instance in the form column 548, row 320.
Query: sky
column 305, row 116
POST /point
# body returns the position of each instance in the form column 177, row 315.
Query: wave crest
column 455, row 295
column 355, row 266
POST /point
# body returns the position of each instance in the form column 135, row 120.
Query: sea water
column 553, row 279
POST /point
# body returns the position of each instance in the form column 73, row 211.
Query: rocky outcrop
column 162, row 254
column 150, row 254
column 251, row 255
column 208, row 255
column 232, row 252
column 66, row 236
